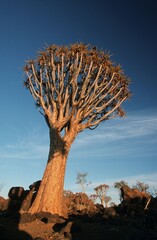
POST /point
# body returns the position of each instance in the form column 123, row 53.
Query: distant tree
column 106, row 200
column 75, row 87
column 112, row 204
column 1, row 186
column 93, row 197
column 81, row 179
column 141, row 186
column 101, row 192
column 119, row 185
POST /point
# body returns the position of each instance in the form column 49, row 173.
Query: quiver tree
column 119, row 185
column 75, row 87
column 81, row 179
column 106, row 200
column 101, row 192
column 93, row 197
column 141, row 186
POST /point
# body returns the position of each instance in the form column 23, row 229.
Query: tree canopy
column 76, row 84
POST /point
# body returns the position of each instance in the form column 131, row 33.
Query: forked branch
column 76, row 86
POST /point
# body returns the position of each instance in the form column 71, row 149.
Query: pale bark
column 49, row 197
column 50, row 194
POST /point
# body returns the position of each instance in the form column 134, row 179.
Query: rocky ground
column 134, row 219
column 77, row 227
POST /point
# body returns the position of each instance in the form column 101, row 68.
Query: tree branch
column 77, row 87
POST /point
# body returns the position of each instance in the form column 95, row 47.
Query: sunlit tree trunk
column 50, row 193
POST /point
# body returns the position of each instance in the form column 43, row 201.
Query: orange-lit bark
column 49, row 197
column 50, row 193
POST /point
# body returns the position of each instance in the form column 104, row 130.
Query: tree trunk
column 102, row 201
column 50, row 194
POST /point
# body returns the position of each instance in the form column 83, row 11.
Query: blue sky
column 117, row 149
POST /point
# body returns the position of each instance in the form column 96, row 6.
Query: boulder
column 69, row 229
column 28, row 198
column 20, row 199
column 100, row 208
column 16, row 193
column 79, row 202
column 134, row 202
column 110, row 212
column 14, row 204
column 35, row 186
column 47, row 217
column 3, row 203
column 128, row 194
column 26, row 218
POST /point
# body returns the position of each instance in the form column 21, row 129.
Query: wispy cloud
column 131, row 127
column 133, row 133
column 32, row 146
column 136, row 126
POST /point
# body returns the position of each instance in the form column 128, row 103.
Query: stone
column 27, row 200
column 128, row 194
column 35, row 186
column 47, row 217
column 109, row 212
column 16, row 193
column 27, row 218
column 3, row 203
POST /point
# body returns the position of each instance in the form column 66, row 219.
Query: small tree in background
column 112, row 204
column 141, row 186
column 101, row 192
column 81, row 179
column 93, row 197
column 106, row 200
column 119, row 185
column 75, row 87
column 1, row 186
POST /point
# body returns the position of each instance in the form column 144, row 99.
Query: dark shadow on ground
column 9, row 222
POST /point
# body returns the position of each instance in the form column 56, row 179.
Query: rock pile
column 19, row 199
column 135, row 218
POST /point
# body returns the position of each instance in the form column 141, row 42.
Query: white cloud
column 33, row 146
column 131, row 127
